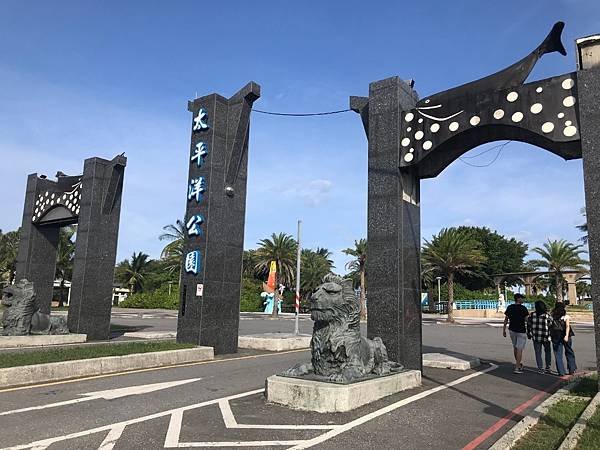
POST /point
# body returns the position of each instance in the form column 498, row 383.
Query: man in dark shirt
column 515, row 317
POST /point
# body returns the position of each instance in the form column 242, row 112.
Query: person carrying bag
column 561, row 334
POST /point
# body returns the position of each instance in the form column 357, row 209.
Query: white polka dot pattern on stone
column 569, row 101
column 453, row 126
column 408, row 157
column 427, row 145
column 570, row 131
column 474, row 120
column 568, row 83
column 547, row 127
column 435, row 127
column 405, row 142
column 498, row 114
column 512, row 96
column 536, row 108
column 517, row 117
column 419, row 135
column 408, row 117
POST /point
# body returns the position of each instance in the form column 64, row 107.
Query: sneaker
column 518, row 370
column 548, row 370
column 542, row 371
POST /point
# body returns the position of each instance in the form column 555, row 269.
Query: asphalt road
column 225, row 407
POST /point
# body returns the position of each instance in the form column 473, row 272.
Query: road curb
column 510, row 438
column 572, row 438
column 64, row 370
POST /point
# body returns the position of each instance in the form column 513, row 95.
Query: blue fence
column 485, row 304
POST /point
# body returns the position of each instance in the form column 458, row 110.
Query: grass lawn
column 590, row 439
column 553, row 427
column 13, row 359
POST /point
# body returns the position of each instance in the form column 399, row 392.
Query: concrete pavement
column 226, row 406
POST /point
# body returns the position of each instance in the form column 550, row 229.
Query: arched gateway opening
column 412, row 139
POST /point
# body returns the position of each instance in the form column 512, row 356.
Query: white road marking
column 238, row 444
column 50, row 441
column 111, row 438
column 173, row 432
column 230, row 422
column 354, row 423
column 172, row 437
column 110, row 394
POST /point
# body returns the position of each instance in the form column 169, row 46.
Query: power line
column 492, row 161
column 484, row 152
column 271, row 113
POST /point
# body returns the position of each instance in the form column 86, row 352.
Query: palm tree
column 326, row 254
column 174, row 251
column 64, row 259
column 583, row 227
column 281, row 248
column 133, row 272
column 249, row 261
column 359, row 252
column 558, row 256
column 313, row 267
column 449, row 253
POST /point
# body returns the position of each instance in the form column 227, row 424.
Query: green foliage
column 462, row 293
column 157, row 299
column 282, row 249
column 86, row 352
column 64, row 259
column 250, row 299
column 313, row 267
column 358, row 266
column 558, row 256
column 172, row 253
column 502, row 255
column 132, row 273
column 9, row 247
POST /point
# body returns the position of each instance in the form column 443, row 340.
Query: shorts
column 519, row 340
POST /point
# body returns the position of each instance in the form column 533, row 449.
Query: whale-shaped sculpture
column 514, row 75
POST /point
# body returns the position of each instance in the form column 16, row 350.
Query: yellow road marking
column 106, row 375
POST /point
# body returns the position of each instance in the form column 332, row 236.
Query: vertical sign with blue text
column 213, row 226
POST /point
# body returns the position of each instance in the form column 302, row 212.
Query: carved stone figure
column 22, row 317
column 339, row 353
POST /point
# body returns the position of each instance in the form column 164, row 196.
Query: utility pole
column 439, row 280
column 296, row 328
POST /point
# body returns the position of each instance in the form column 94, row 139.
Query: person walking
column 515, row 317
column 561, row 334
column 538, row 330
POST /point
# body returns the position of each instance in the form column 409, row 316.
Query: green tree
column 249, row 262
column 502, row 255
column 9, row 247
column 282, row 249
column 359, row 264
column 132, row 273
column 583, row 227
column 314, row 265
column 64, row 259
column 452, row 252
column 557, row 256
column 172, row 253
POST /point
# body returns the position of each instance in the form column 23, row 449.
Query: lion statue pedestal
column 23, row 324
column 346, row 369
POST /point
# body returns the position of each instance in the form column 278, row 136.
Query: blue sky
column 81, row 79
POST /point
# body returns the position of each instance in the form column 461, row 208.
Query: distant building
column 119, row 293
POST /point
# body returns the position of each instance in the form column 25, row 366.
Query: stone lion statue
column 339, row 353
column 22, row 317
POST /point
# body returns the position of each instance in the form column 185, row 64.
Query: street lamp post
column 439, row 280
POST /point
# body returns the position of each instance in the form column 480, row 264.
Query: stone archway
column 411, row 139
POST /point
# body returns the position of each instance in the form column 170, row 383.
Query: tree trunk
column 363, row 303
column 275, row 312
column 450, row 297
column 559, row 296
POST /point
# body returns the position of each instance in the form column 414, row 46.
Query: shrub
column 250, row 299
column 158, row 298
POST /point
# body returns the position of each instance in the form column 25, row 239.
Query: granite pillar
column 393, row 228
column 589, row 119
column 38, row 244
column 211, row 282
column 96, row 247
